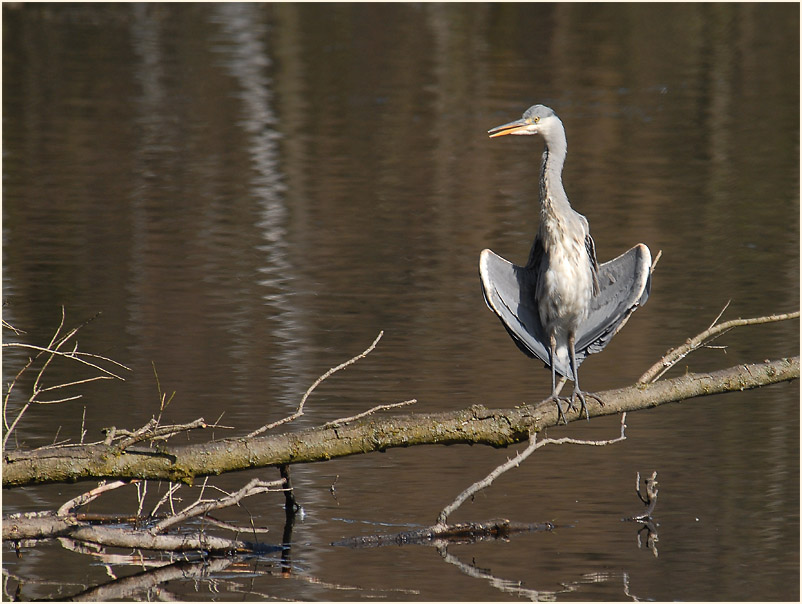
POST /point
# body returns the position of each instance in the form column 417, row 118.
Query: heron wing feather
column 509, row 291
column 624, row 285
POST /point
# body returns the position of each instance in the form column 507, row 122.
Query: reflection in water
column 246, row 59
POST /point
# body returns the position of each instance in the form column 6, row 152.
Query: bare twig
column 75, row 355
column 345, row 420
column 163, row 400
column 673, row 356
column 52, row 351
column 300, row 410
column 592, row 443
column 202, row 507
column 85, row 498
column 16, row 331
column 152, row 431
column 656, row 260
column 168, row 495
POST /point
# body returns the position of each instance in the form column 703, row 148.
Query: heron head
column 538, row 119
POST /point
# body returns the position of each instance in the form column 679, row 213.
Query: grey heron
column 562, row 305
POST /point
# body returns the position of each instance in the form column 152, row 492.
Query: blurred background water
column 249, row 193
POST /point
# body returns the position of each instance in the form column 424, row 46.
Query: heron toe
column 578, row 394
column 561, row 414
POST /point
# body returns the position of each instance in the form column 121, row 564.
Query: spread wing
column 624, row 285
column 509, row 291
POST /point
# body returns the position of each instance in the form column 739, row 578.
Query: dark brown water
column 249, row 194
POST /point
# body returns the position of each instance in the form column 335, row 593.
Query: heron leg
column 575, row 370
column 554, row 396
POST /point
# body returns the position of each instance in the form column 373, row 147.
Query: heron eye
column 537, row 119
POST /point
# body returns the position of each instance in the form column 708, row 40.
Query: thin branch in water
column 300, row 410
column 163, row 400
column 74, row 383
column 141, row 494
column 650, row 499
column 16, row 331
column 442, row 519
column 673, row 356
column 55, row 438
column 56, row 401
column 9, row 389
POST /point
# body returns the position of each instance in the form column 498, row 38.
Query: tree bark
column 474, row 425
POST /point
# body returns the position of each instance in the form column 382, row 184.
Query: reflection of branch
column 300, row 410
column 128, row 587
column 504, row 585
column 673, row 356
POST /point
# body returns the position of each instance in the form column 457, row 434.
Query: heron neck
column 551, row 183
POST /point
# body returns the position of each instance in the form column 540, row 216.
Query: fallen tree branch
column 80, row 527
column 475, row 425
column 138, row 539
